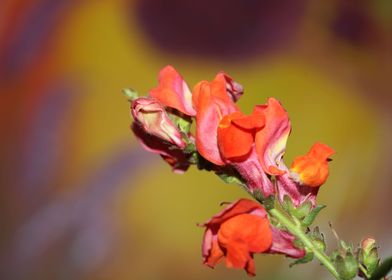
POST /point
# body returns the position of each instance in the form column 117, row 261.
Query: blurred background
column 80, row 199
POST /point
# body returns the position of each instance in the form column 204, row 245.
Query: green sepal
column 371, row 261
column 268, row 202
column 307, row 258
column 130, row 94
column 190, row 148
column 302, row 211
column 183, row 122
column 309, row 219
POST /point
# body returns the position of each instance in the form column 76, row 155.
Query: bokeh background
column 79, row 198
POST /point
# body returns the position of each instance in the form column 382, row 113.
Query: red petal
column 210, row 110
column 173, row 92
column 254, row 121
column 271, row 140
column 241, row 206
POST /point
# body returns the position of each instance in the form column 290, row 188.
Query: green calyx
column 130, row 94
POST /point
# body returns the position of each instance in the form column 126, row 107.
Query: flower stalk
column 296, row 230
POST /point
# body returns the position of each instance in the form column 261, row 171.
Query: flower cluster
column 247, row 149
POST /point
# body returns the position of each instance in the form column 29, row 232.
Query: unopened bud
column 347, row 266
column 318, row 239
column 369, row 255
column 151, row 115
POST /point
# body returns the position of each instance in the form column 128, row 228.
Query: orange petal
column 252, row 230
column 321, row 151
column 254, row 121
column 312, row 169
column 233, row 141
column 216, row 254
column 241, row 206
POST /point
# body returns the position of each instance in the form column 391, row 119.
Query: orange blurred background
column 80, row 199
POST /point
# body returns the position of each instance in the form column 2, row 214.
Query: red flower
column 253, row 144
column 241, row 230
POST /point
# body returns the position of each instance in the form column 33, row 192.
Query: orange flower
column 241, row 230
column 312, row 169
column 253, row 145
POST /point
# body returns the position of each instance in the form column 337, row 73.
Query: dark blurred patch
column 222, row 28
column 353, row 22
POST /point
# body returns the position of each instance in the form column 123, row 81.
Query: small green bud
column 320, row 244
column 347, row 266
column 369, row 255
column 318, row 239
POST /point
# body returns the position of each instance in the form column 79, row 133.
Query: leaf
column 382, row 271
column 308, row 220
column 308, row 258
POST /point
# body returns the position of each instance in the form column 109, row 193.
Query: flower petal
column 172, row 91
column 297, row 193
column 271, row 140
column 236, row 208
column 234, row 89
column 255, row 121
column 210, row 110
column 254, row 176
column 283, row 243
column 312, row 169
column 169, row 152
column 233, row 141
column 212, row 252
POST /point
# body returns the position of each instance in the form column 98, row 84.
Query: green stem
column 297, row 231
column 364, row 270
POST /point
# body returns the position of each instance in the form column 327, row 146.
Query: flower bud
column 151, row 115
column 318, row 239
column 369, row 255
column 347, row 266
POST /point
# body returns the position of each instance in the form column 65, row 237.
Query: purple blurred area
column 72, row 174
column 232, row 30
